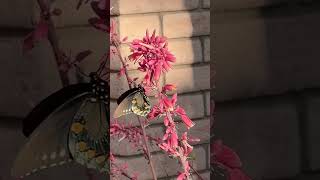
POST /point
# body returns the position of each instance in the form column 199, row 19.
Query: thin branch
column 53, row 39
column 199, row 176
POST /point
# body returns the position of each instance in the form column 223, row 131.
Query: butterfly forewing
column 124, row 107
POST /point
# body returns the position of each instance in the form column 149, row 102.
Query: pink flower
column 187, row 121
column 167, row 105
column 187, row 148
column 153, row 56
column 169, row 87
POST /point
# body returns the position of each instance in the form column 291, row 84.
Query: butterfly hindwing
column 89, row 136
column 133, row 101
column 47, row 145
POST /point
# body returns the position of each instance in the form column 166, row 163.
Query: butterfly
column 133, row 101
column 71, row 125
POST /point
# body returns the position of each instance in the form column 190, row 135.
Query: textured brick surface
column 135, row 26
column 312, row 113
column 125, row 148
column 186, row 51
column 26, row 79
column 145, row 6
column 207, row 98
column 186, row 24
column 193, row 104
column 188, row 79
column 270, row 59
column 165, row 165
column 206, row 3
column 264, row 133
column 206, row 44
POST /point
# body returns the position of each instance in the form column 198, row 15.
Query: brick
column 193, row 105
column 269, row 62
column 115, row 5
column 136, row 26
column 33, row 76
column 146, row 6
column 200, row 130
column 189, row 79
column 206, row 43
column 9, row 19
column 264, row 132
column 78, row 39
column 246, row 4
column 186, row 51
column 186, row 24
column 206, row 3
column 125, row 148
column 208, row 105
column 312, row 135
column 163, row 164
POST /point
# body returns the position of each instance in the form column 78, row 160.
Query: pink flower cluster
column 153, row 56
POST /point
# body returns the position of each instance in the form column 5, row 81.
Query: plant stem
column 199, row 176
column 145, row 141
column 53, row 39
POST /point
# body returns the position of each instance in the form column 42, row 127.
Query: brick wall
column 186, row 24
column 267, row 85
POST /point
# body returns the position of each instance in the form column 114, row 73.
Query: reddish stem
column 199, row 176
column 53, row 39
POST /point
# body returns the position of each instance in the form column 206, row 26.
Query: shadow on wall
column 266, row 58
column 201, row 69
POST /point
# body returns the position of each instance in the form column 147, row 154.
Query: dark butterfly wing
column 47, row 143
column 48, row 105
column 127, row 94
